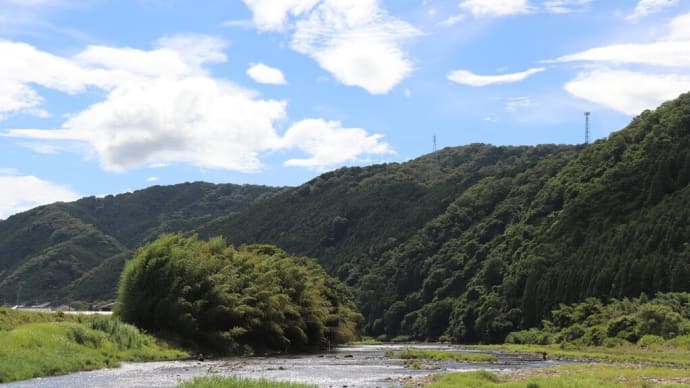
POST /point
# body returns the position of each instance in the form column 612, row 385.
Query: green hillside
column 474, row 242
column 466, row 244
column 76, row 251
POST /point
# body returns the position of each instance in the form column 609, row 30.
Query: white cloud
column 451, row 21
column 23, row 65
column 196, row 120
column 468, row 78
column 329, row 144
column 266, row 75
column 679, row 28
column 626, row 91
column 152, row 179
column 663, row 53
column 246, row 24
column 494, row 8
column 565, row 6
column 647, row 7
column 611, row 81
column 162, row 106
column 357, row 42
column 514, row 104
column 43, row 148
column 20, row 193
column 31, row 3
column 271, row 15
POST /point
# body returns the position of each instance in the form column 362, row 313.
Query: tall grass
column 675, row 352
column 10, row 319
column 571, row 376
column 237, row 382
column 53, row 347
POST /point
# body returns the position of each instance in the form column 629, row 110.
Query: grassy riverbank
column 237, row 382
column 440, row 355
column 661, row 354
column 569, row 376
column 48, row 344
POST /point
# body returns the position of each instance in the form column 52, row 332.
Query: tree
column 231, row 300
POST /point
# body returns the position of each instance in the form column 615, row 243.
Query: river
column 347, row 366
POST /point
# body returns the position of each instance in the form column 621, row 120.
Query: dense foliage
column 593, row 323
column 256, row 298
column 471, row 243
column 76, row 250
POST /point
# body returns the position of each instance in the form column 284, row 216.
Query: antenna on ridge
column 434, row 144
column 586, row 128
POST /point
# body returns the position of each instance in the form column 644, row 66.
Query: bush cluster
column 643, row 321
column 227, row 300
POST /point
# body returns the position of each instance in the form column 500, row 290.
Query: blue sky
column 101, row 97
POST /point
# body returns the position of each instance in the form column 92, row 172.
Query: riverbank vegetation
column 569, row 376
column 48, row 344
column 663, row 320
column 440, row 355
column 237, row 382
column 235, row 301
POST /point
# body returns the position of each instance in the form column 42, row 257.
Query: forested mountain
column 76, row 250
column 466, row 244
column 473, row 242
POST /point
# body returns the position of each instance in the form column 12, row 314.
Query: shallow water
column 347, row 366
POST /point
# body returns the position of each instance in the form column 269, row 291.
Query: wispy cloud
column 661, row 53
column 514, row 104
column 451, row 21
column 20, row 193
column 466, row 77
column 496, row 8
column 647, row 7
column 246, row 24
column 271, row 15
column 612, row 75
column 565, row 6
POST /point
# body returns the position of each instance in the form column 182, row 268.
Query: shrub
column 614, row 342
column 572, row 333
column 594, row 336
column 659, row 320
column 532, row 336
column 682, row 341
column 226, row 300
column 624, row 327
column 650, row 340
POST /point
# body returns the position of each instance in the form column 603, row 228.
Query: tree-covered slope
column 473, row 242
column 77, row 250
column 609, row 221
column 348, row 217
